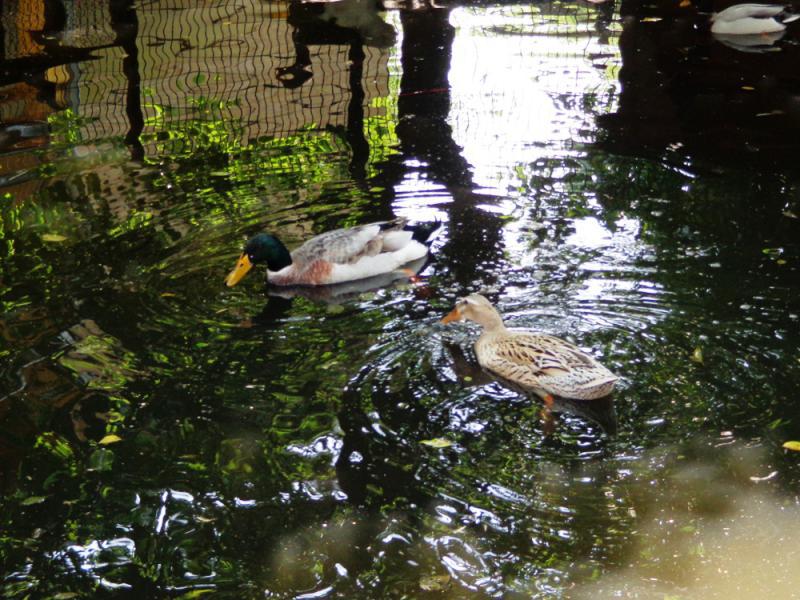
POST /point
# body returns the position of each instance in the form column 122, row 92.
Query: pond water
column 611, row 175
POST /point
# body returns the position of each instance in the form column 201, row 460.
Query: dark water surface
column 608, row 174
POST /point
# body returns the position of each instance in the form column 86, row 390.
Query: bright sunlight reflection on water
column 519, row 89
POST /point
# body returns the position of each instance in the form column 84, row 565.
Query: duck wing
column 347, row 246
column 747, row 11
column 541, row 362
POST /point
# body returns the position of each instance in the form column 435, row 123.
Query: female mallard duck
column 336, row 256
column 750, row 19
column 537, row 362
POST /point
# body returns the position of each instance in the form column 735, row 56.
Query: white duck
column 751, row 19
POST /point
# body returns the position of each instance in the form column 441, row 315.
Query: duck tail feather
column 398, row 223
column 423, row 232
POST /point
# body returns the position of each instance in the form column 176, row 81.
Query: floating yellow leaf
column 697, row 355
column 437, row 443
column 110, row 439
column 33, row 500
column 168, row 295
column 748, row 88
column 792, row 446
column 53, row 237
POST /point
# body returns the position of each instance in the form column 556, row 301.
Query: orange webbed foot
column 548, row 418
column 412, row 276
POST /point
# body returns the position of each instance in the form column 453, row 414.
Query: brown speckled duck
column 537, row 362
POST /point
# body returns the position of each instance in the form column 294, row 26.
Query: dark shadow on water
column 690, row 97
column 125, row 24
column 368, row 459
column 600, row 411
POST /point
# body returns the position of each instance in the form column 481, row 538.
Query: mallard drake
column 749, row 19
column 536, row 362
column 336, row 256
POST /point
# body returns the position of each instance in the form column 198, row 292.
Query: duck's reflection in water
column 281, row 297
column 755, row 43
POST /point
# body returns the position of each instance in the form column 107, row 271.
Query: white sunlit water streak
column 519, row 100
column 516, row 95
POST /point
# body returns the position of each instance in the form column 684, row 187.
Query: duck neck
column 279, row 257
column 492, row 322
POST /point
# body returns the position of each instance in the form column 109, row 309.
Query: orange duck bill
column 451, row 316
column 243, row 266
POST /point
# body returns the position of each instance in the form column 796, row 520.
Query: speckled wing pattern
column 542, row 363
column 344, row 246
